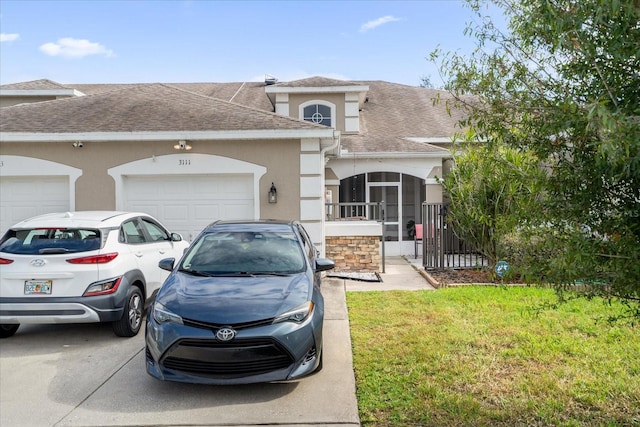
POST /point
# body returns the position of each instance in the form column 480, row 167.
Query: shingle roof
column 391, row 115
column 395, row 112
column 33, row 85
column 138, row 108
column 317, row 82
column 250, row 94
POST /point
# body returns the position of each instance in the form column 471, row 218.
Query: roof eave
column 40, row 92
column 431, row 140
column 166, row 136
column 396, row 155
column 321, row 89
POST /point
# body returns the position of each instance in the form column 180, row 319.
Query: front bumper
column 275, row 352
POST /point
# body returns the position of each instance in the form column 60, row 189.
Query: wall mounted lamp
column 182, row 145
column 77, row 144
column 273, row 194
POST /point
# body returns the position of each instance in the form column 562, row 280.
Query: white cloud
column 377, row 22
column 74, row 48
column 9, row 37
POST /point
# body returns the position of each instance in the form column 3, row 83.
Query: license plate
column 37, row 287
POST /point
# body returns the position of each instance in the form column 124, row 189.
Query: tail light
column 103, row 288
column 94, row 259
column 4, row 261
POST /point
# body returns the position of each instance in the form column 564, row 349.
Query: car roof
column 78, row 219
column 251, row 225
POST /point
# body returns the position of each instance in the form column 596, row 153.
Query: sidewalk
column 400, row 275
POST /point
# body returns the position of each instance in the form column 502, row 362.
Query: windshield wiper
column 197, row 273
column 234, row 273
column 217, row 273
column 271, row 273
column 253, row 273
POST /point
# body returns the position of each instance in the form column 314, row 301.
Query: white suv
column 80, row 267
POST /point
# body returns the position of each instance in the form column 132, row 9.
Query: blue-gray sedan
column 242, row 306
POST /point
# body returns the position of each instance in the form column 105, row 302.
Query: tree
column 493, row 189
column 563, row 83
column 425, row 81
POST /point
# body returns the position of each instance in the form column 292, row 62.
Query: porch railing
column 360, row 211
column 354, row 211
column 441, row 246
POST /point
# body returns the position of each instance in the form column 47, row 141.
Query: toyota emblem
column 38, row 262
column 225, row 334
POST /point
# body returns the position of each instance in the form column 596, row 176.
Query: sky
column 134, row 41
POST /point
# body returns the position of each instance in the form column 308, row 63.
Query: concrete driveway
column 83, row 375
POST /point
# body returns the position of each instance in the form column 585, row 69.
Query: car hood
column 233, row 300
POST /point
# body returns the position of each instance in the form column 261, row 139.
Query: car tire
column 319, row 368
column 131, row 320
column 8, row 330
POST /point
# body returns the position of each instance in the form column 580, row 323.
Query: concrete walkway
column 400, row 274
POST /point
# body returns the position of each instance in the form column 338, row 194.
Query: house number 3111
column 184, row 162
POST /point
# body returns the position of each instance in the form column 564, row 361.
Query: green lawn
column 484, row 356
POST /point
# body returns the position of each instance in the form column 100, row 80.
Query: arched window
column 318, row 112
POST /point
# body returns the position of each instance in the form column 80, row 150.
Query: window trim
column 312, row 102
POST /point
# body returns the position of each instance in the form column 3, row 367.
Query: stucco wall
column 295, row 100
column 95, row 189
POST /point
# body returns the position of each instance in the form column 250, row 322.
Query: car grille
column 216, row 326
column 234, row 359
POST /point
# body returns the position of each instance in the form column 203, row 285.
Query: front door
column 390, row 194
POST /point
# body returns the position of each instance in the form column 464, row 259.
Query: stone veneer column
column 354, row 253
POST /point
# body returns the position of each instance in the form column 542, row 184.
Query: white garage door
column 187, row 203
column 25, row 196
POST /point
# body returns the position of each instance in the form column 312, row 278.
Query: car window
column 156, row 232
column 132, row 232
column 245, row 252
column 50, row 240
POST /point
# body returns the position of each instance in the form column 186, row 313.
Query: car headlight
column 163, row 315
column 298, row 314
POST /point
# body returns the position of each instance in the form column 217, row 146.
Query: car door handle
column 162, row 251
column 139, row 254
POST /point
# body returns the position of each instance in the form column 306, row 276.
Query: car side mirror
column 324, row 264
column 176, row 237
column 167, row 264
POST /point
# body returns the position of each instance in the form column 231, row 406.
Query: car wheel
column 7, row 330
column 131, row 320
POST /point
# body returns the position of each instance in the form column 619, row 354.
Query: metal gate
column 441, row 247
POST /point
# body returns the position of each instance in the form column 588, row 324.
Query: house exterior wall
column 95, row 189
column 419, row 167
column 295, row 100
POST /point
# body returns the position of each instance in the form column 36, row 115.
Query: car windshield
column 236, row 253
column 39, row 241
